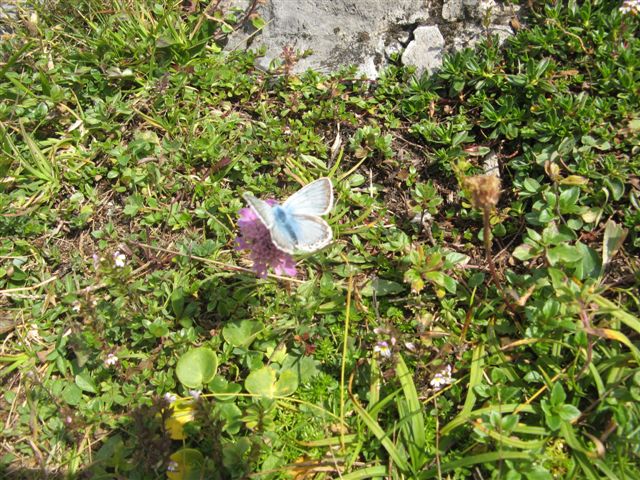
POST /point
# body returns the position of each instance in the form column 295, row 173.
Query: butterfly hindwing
column 315, row 198
column 312, row 233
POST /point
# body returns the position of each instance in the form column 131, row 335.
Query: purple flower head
column 255, row 237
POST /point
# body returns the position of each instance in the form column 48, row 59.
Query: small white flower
column 119, row 259
column 173, row 466
column 111, row 360
column 76, row 306
column 630, row 6
column 170, row 397
column 382, row 349
column 442, row 378
column 195, row 394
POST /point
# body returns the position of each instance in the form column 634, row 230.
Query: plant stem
column 486, row 236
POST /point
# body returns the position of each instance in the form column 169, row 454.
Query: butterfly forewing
column 315, row 198
column 261, row 208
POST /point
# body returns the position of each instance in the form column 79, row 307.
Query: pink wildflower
column 255, row 237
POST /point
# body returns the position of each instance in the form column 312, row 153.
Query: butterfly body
column 286, row 221
column 296, row 224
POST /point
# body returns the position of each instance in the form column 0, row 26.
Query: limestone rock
column 339, row 32
column 366, row 33
column 426, row 49
column 452, row 10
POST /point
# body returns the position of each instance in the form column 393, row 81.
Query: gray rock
column 452, row 10
column 366, row 33
column 426, row 49
column 339, row 32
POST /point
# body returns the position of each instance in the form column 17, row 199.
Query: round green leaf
column 263, row 382
column 287, row 383
column 186, row 464
column 197, row 367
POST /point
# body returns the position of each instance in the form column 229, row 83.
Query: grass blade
column 481, row 459
column 411, row 408
column 381, row 435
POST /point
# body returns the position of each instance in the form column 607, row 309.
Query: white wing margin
column 315, row 198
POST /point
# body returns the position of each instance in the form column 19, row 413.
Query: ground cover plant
column 458, row 326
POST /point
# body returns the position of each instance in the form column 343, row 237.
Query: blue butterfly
column 296, row 224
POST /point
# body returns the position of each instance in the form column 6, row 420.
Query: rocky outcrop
column 366, row 33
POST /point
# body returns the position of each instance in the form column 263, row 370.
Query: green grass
column 126, row 131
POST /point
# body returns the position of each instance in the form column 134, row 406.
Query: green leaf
column 557, row 395
column 525, row 252
column 241, row 333
column 378, row 471
column 232, row 416
column 614, row 236
column 258, row 22
column 538, row 473
column 197, row 367
column 72, row 394
column 589, row 265
column 382, row 288
column 563, row 253
column 189, row 465
column 553, row 421
column 85, row 382
column 615, row 186
column 177, row 301
column 413, row 277
column 287, row 383
column 568, row 412
column 263, row 382
column 509, row 422
column 224, row 388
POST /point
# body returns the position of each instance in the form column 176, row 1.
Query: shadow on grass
column 142, row 447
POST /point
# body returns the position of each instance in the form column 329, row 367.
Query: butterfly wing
column 311, row 233
column 262, row 209
column 282, row 239
column 315, row 198
column 296, row 225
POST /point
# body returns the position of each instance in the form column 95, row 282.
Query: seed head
column 484, row 191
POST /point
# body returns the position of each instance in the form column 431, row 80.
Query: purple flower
column 255, row 237
column 442, row 378
column 382, row 349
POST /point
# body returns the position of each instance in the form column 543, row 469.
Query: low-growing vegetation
column 460, row 325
